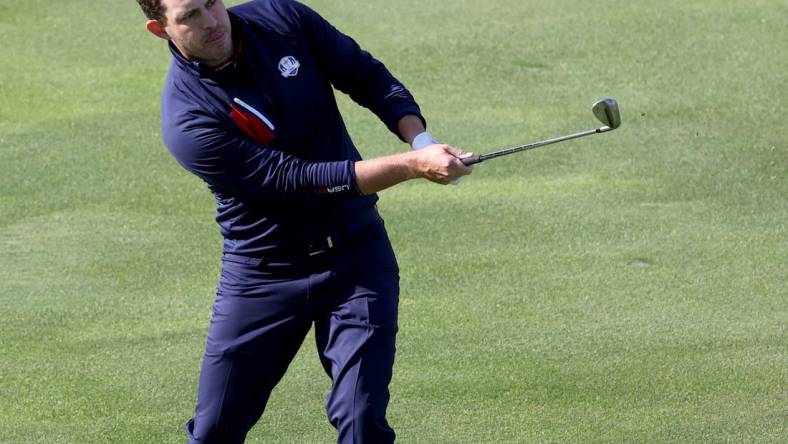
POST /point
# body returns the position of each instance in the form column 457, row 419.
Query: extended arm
column 233, row 163
column 437, row 163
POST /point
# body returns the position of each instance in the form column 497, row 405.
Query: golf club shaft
column 482, row 157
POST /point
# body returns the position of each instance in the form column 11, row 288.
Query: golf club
column 606, row 110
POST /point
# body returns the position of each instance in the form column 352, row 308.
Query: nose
column 210, row 20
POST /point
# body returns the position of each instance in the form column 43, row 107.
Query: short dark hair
column 153, row 9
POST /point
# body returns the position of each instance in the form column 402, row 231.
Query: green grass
column 629, row 287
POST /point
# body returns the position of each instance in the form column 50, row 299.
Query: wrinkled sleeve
column 355, row 71
column 229, row 161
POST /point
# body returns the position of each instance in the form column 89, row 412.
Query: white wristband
column 423, row 140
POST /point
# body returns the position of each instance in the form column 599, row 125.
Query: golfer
column 248, row 107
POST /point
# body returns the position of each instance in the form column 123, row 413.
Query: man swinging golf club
column 248, row 107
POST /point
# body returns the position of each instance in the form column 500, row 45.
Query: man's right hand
column 440, row 163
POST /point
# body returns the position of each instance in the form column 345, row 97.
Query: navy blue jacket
column 265, row 132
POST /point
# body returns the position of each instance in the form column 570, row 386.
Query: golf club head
column 606, row 110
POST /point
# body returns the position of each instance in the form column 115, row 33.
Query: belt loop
column 342, row 237
column 314, row 250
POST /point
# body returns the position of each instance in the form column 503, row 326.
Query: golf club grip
column 468, row 161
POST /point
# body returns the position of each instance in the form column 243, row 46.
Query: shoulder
column 281, row 16
column 182, row 93
column 275, row 13
column 187, row 106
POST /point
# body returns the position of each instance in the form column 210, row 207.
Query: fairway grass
column 626, row 287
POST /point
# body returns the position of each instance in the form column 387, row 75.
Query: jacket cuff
column 392, row 120
column 335, row 178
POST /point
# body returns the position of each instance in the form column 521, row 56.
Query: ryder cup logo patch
column 288, row 66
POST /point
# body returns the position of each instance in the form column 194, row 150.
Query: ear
column 155, row 27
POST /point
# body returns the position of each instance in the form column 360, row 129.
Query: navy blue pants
column 263, row 311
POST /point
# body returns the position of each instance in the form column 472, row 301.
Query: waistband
column 319, row 246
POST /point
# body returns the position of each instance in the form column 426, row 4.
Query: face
column 200, row 29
